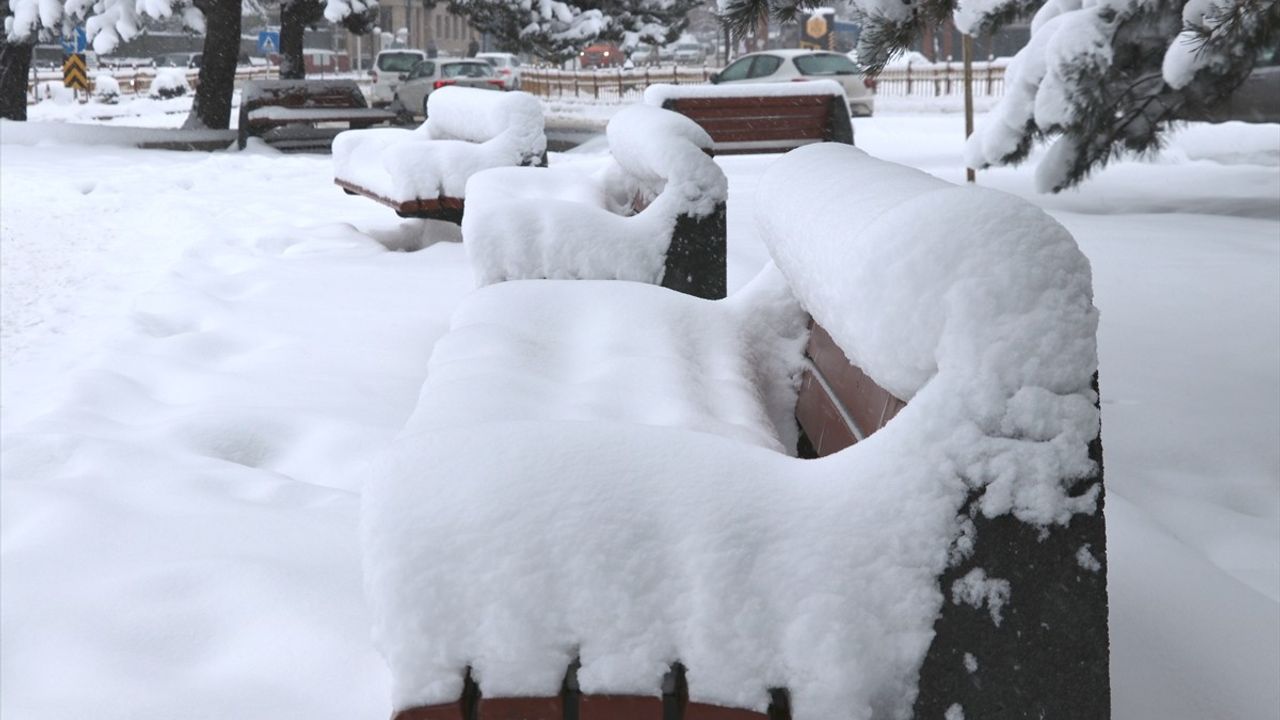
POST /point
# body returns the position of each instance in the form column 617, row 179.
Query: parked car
column 644, row 55
column 800, row 65
column 689, row 52
column 188, row 60
column 507, row 67
column 600, row 55
column 428, row 76
column 390, row 68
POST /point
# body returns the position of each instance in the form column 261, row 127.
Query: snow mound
column 534, row 223
column 468, row 130
column 169, row 83
column 593, row 470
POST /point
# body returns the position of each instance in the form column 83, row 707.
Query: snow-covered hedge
column 169, row 83
column 595, row 470
column 532, row 223
column 467, row 130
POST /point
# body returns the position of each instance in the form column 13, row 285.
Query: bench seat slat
column 752, row 134
column 441, row 208
column 686, row 105
column 805, row 112
column 732, row 124
column 870, row 406
column 761, row 146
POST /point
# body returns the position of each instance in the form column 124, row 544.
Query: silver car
column 429, row 75
column 773, row 66
column 506, row 66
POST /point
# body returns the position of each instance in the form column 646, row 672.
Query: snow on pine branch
column 335, row 11
column 1101, row 78
column 1214, row 29
column 107, row 23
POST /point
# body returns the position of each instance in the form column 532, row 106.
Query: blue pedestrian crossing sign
column 268, row 41
column 76, row 43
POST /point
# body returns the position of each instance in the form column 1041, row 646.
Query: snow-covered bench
column 597, row 509
column 288, row 114
column 654, row 212
column 768, row 118
column 423, row 172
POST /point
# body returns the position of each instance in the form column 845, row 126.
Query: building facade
column 409, row 23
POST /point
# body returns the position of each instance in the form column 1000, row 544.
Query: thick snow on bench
column 531, row 223
column 658, row 94
column 467, row 130
column 591, row 474
column 923, row 278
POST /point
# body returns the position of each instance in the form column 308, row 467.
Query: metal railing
column 619, row 85
column 137, row 81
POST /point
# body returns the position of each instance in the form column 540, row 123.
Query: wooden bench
column 289, row 114
column 422, row 173
column 744, row 119
column 1031, row 643
column 565, row 222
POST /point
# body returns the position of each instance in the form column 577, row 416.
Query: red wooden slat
column 749, row 134
column 520, row 709
column 619, row 707
column 869, row 405
column 820, row 419
column 712, row 125
column 682, row 104
column 780, row 111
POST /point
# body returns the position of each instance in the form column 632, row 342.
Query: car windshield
column 467, row 69
column 825, row 64
column 496, row 61
column 397, row 62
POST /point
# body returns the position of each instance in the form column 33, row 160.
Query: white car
column 798, row 65
column 689, row 52
column 507, row 67
column 390, row 68
column 430, row 75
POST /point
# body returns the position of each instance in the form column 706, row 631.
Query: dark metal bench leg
column 696, row 259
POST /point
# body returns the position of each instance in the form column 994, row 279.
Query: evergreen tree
column 1098, row 78
column 555, row 30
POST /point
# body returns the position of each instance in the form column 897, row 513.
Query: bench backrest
column 301, row 94
column 775, row 118
column 839, row 404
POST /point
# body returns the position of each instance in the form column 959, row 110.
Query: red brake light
column 869, row 83
column 495, row 82
column 800, row 79
column 441, row 83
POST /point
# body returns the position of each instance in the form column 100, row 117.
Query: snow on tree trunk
column 212, row 105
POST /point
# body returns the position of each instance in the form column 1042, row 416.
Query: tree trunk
column 212, row 105
column 294, row 16
column 15, row 67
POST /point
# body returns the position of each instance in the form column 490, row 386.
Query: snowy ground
column 199, row 353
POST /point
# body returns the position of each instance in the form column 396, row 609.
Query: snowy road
column 194, row 372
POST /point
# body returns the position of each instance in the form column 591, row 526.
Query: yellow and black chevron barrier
column 74, row 73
